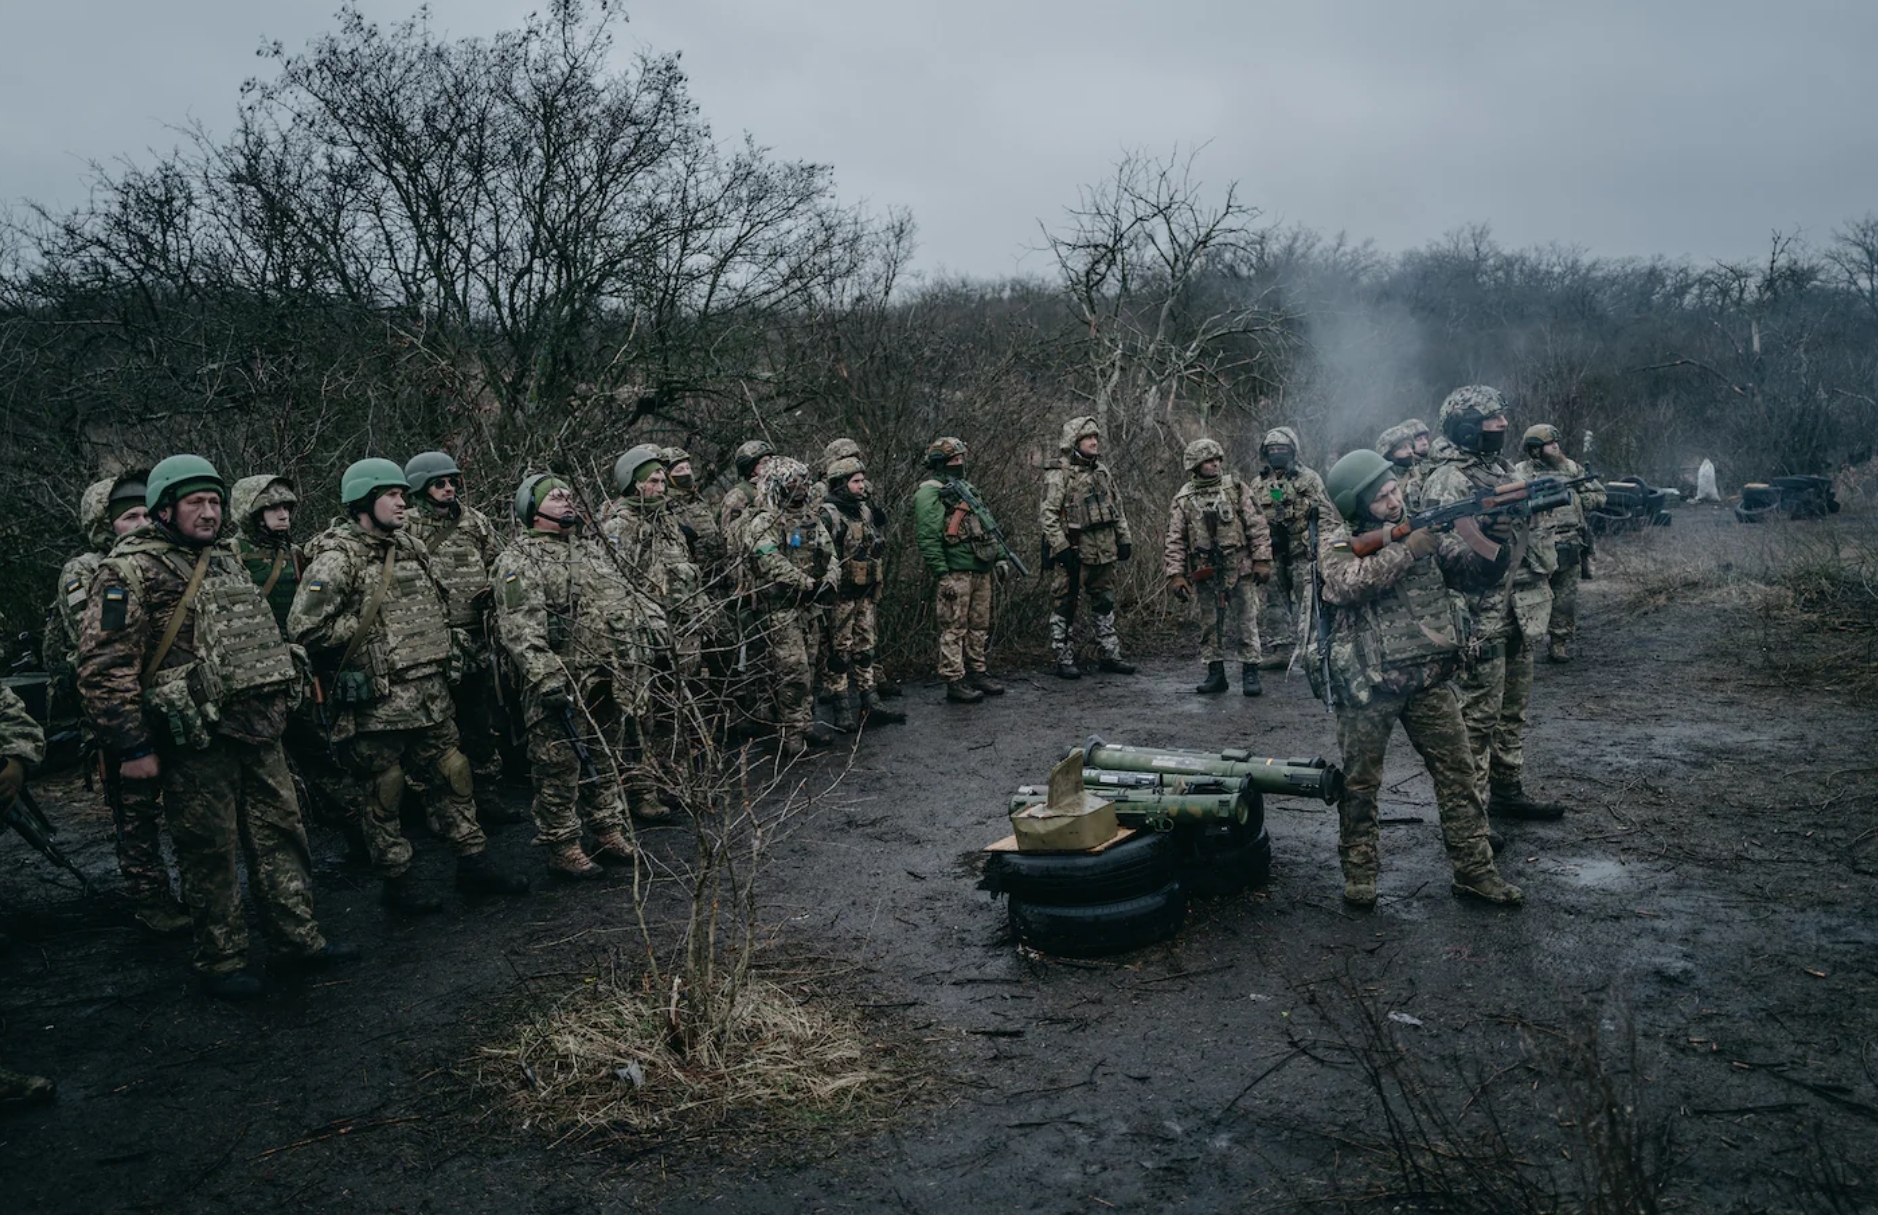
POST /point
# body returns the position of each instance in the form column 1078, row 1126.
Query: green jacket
column 946, row 554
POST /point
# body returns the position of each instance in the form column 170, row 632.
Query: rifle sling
column 273, row 573
column 174, row 625
column 373, row 602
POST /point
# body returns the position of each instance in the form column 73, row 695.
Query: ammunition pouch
column 860, row 572
column 560, row 631
column 172, row 702
column 352, row 689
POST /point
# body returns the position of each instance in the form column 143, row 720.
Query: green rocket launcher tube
column 1106, row 783
column 1159, row 808
column 1277, row 777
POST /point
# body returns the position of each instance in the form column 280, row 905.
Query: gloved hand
column 825, row 594
column 1002, row 571
column 554, row 698
column 1422, row 542
column 1183, row 590
column 1068, row 557
column 12, row 780
column 1499, row 529
column 1261, row 572
column 1124, row 550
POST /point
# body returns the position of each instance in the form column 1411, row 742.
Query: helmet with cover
column 252, row 495
column 748, row 455
column 1538, row 436
column 1464, row 411
column 944, row 449
column 1199, row 452
column 786, row 482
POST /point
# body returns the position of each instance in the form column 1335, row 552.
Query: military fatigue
column 651, row 543
column 1506, row 617
column 1567, row 531
column 390, row 702
column 1286, row 498
column 574, row 626
column 1215, row 529
column 961, row 554
column 1396, row 642
column 213, row 713
column 857, row 528
column 788, row 560
column 463, row 545
column 1082, row 511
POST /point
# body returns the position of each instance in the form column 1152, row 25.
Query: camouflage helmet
column 785, row 479
column 1076, row 430
column 1199, row 452
column 1417, row 428
column 1538, row 436
column 669, row 456
column 944, row 449
column 1353, row 481
column 626, row 468
column 426, row 466
column 839, row 449
column 179, row 476
column 1465, row 409
column 1279, row 436
column 749, row 453
column 1396, row 436
column 841, row 469
column 366, row 479
column 103, row 502
column 248, row 497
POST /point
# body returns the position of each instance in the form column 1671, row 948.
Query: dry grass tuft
column 603, row 1063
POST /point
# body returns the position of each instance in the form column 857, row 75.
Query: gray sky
column 1677, row 126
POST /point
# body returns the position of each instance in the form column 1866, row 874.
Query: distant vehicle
column 64, row 741
column 1788, row 497
column 1630, row 505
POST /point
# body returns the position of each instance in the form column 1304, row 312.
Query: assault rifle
column 972, row 502
column 25, row 817
column 574, row 740
column 1320, row 619
column 1515, row 499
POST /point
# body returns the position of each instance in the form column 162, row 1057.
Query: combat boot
column 818, row 737
column 1215, row 680
column 1510, row 801
column 476, row 874
column 569, row 863
column 19, row 1091
column 241, row 984
column 1249, row 679
column 612, row 848
column 846, row 720
column 1117, row 666
column 960, row 692
column 1495, row 841
column 1560, row 651
column 875, row 713
column 1488, row 886
column 332, row 953
column 162, row 915
column 402, row 895
column 1359, row 891
column 1066, row 666
column 984, row 683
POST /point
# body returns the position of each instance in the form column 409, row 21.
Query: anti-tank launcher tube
column 1277, row 777
column 1160, row 809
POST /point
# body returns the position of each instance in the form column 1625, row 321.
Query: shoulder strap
column 178, row 615
column 273, row 574
column 373, row 602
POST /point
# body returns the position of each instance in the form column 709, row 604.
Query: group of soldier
column 220, row 664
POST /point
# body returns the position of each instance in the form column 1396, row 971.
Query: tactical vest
column 1213, row 516
column 457, row 562
column 796, row 539
column 238, row 645
column 260, row 563
column 1417, row 618
column 410, row 626
column 1088, row 497
column 971, row 529
column 859, row 545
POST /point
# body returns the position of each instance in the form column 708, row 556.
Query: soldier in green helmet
column 185, row 680
column 963, row 556
column 1395, row 646
column 695, row 517
column 583, row 640
column 746, row 495
column 463, row 545
column 789, row 568
column 110, row 509
column 372, row 613
column 22, row 743
column 1564, row 529
column 1219, row 550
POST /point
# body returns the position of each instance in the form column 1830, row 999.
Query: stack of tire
column 1131, row 894
column 1630, row 504
column 1800, row 497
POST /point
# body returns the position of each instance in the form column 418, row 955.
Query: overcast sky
column 1687, row 127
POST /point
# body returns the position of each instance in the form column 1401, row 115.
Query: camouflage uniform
column 22, row 741
column 1215, row 529
column 1564, row 528
column 651, row 543
column 1082, row 511
column 858, row 530
column 1496, row 686
column 963, row 556
column 1408, row 475
column 789, row 563
column 463, row 545
column 390, row 704
column 136, row 805
column 213, row 712
column 695, row 517
column 1286, row 497
column 575, row 627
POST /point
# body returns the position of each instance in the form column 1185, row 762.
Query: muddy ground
column 1707, row 909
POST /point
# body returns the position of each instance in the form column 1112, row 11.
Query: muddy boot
column 162, row 915
column 332, row 953
column 570, row 864
column 611, row 848
column 984, row 683
column 818, row 737
column 1066, row 666
column 476, row 874
column 1560, row 651
column 1510, row 801
column 402, row 895
column 877, row 714
column 241, row 984
column 846, row 719
column 1249, row 679
column 1496, row 841
column 1215, row 680
column 962, row 693
column 1359, row 891
column 1488, row 886
column 1118, row 666
column 19, row 1091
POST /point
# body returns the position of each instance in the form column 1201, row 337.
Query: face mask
column 1403, row 462
column 1279, row 460
column 1492, row 441
column 681, row 482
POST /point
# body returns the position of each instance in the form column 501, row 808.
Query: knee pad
column 864, row 659
column 454, row 767
column 1102, row 602
column 388, row 790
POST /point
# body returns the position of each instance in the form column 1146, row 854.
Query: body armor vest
column 238, row 646
column 410, row 622
column 860, row 545
column 457, row 562
column 1088, row 497
column 260, row 563
column 1213, row 517
column 1417, row 618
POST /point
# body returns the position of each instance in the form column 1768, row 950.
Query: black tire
column 1137, row 866
column 1102, row 929
column 1224, row 868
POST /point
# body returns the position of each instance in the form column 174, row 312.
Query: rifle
column 323, row 718
column 988, row 522
column 574, row 740
column 1209, row 567
column 1515, row 499
column 1320, row 619
column 504, row 712
column 25, row 817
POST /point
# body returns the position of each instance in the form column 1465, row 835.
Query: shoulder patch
column 317, row 586
column 116, row 609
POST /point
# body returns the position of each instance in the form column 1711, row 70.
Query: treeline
column 518, row 250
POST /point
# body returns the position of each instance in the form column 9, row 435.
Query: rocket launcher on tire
column 1276, row 777
column 1159, row 809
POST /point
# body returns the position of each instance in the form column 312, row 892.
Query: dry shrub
column 605, row 1062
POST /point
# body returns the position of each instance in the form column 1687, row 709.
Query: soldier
column 695, row 517
column 582, row 640
column 858, row 529
column 961, row 553
column 1218, row 543
column 743, row 497
column 1085, row 534
column 107, row 510
column 372, row 614
column 1395, row 647
column 789, row 564
column 463, row 545
column 1565, row 528
column 1286, row 492
column 22, row 743
column 1508, row 617
column 832, row 451
column 185, row 680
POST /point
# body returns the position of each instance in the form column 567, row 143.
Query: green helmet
column 426, row 466
column 178, row 476
column 365, row 479
column 1354, row 480
column 626, row 468
column 531, row 491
